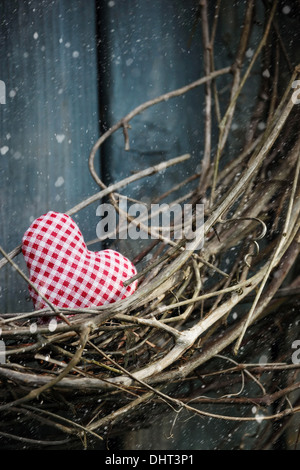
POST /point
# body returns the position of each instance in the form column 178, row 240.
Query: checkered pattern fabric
column 65, row 272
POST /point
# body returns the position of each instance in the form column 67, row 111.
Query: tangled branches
column 195, row 311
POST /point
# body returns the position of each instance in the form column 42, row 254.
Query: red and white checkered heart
column 65, row 272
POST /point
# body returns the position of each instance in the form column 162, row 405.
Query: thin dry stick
column 273, row 260
column 180, row 291
column 208, row 94
column 224, row 125
column 229, row 337
column 212, row 65
column 35, row 393
column 227, row 119
column 256, row 161
column 115, row 416
column 181, row 404
column 126, row 181
column 16, row 267
column 72, row 424
column 108, row 190
column 139, row 109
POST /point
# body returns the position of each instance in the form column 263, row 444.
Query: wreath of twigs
column 187, row 337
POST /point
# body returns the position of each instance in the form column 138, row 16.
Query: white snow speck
column 129, row 62
column 259, row 417
column 33, row 327
column 266, row 73
column 52, row 324
column 111, row 3
column 261, row 125
column 35, row 36
column 286, row 9
column 263, row 359
column 17, row 155
column 4, row 150
column 249, row 53
column 234, row 296
column 59, row 182
column 75, row 54
column 68, row 44
column 25, row 55
column 12, row 93
column 60, row 138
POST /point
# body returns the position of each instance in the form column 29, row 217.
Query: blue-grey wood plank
column 48, row 62
column 146, row 51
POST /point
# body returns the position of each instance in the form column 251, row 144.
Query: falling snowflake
column 59, row 182
column 286, row 9
column 4, row 150
column 60, row 138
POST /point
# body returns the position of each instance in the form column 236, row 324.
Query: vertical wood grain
column 49, row 122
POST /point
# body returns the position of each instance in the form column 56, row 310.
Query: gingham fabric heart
column 66, row 272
